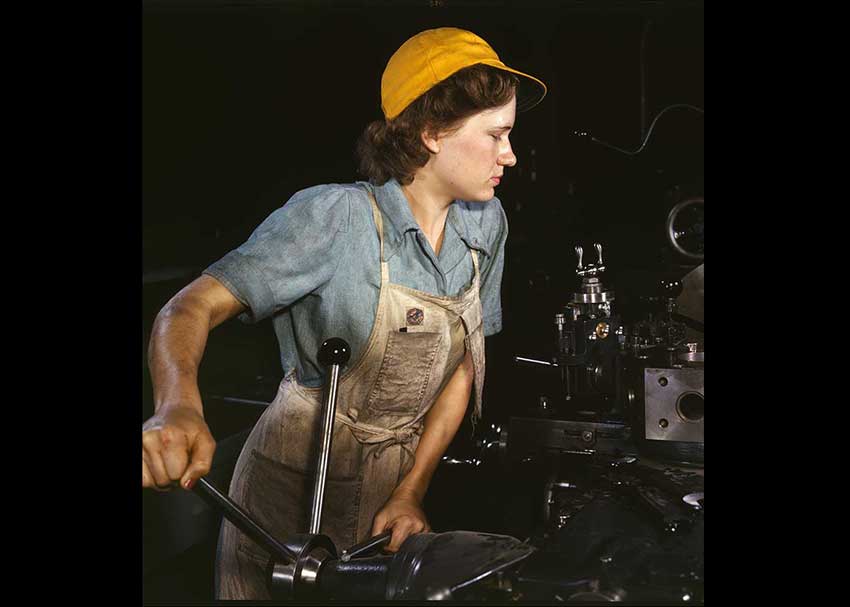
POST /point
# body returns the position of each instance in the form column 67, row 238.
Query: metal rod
column 565, row 380
column 365, row 545
column 233, row 513
column 245, row 401
column 324, row 452
column 521, row 359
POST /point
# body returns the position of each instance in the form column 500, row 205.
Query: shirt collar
column 398, row 220
column 469, row 231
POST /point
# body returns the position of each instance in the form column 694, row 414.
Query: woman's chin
column 484, row 195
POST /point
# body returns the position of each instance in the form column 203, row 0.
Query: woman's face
column 470, row 161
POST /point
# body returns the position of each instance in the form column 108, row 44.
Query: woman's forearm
column 178, row 340
column 441, row 425
column 179, row 337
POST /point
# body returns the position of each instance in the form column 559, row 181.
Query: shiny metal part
column 697, row 500
column 593, row 297
column 300, row 579
column 310, row 566
column 334, row 353
column 324, row 451
column 521, row 359
column 685, row 228
column 282, row 578
column 591, row 270
column 628, row 459
column 453, row 461
column 612, row 596
column 674, row 409
column 692, row 357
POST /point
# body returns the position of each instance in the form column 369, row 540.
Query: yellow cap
column 432, row 56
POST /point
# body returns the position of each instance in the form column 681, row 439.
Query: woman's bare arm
column 176, row 442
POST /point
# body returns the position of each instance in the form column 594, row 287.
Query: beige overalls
column 416, row 343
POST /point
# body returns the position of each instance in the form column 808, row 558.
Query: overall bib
column 417, row 342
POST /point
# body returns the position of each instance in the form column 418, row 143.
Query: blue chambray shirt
column 314, row 266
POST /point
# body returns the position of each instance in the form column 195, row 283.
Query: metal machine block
column 674, row 404
column 527, row 434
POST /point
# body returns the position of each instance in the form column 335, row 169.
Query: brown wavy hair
column 393, row 148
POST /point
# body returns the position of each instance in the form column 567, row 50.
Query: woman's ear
column 430, row 141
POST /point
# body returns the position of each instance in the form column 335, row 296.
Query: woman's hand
column 403, row 514
column 176, row 444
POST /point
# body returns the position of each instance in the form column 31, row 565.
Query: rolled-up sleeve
column 496, row 232
column 295, row 251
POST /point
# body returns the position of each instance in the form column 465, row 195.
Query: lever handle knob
column 334, row 351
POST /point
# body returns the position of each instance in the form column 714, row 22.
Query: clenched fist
column 176, row 445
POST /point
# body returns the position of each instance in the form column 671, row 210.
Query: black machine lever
column 365, row 546
column 240, row 519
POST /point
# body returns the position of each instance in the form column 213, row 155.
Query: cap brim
column 531, row 90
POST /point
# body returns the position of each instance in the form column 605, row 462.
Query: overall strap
column 379, row 223
column 475, row 262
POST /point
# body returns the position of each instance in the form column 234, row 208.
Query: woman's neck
column 429, row 209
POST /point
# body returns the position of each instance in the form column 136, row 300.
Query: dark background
column 244, row 104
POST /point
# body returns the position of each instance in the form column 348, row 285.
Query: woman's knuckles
column 199, row 468
column 151, row 440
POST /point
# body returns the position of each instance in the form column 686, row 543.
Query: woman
column 406, row 268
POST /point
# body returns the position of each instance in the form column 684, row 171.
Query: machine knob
column 579, row 252
column 334, row 351
column 598, row 253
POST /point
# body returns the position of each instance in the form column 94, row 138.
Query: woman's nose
column 507, row 157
